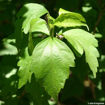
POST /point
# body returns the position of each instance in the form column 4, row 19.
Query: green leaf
column 82, row 40
column 51, row 60
column 50, row 21
column 30, row 11
column 39, row 25
column 69, row 19
column 74, row 43
column 61, row 11
column 98, row 35
column 30, row 44
column 38, row 93
column 24, row 69
column 8, row 48
column 18, row 34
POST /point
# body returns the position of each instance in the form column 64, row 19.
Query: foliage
column 52, row 56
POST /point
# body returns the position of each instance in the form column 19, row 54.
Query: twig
column 91, row 85
column 99, row 16
column 98, row 21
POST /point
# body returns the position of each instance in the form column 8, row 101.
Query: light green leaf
column 61, row 11
column 82, row 40
column 51, row 60
column 30, row 11
column 24, row 69
column 39, row 25
column 69, row 19
column 98, row 35
column 8, row 48
column 50, row 20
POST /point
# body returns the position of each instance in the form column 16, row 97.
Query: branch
column 98, row 21
column 99, row 16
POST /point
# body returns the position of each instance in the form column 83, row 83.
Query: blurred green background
column 80, row 88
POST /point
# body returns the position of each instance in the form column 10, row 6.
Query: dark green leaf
column 39, row 96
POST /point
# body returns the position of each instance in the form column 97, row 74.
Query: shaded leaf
column 39, row 96
column 24, row 67
column 8, row 48
column 50, row 20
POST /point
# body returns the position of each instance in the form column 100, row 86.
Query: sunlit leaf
column 69, row 19
column 51, row 60
column 82, row 40
column 29, row 12
column 39, row 25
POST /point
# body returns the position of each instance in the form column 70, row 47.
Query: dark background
column 80, row 88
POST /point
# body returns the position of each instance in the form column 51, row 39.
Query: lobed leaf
column 82, row 40
column 24, row 69
column 51, row 60
column 29, row 12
